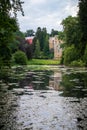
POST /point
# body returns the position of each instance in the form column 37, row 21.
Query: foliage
column 53, row 33
column 41, row 35
column 70, row 84
column 11, row 5
column 70, row 54
column 29, row 33
column 83, row 22
column 20, row 58
column 29, row 50
column 13, row 45
column 51, row 55
column 71, row 31
column 8, row 25
column 85, row 56
column 5, row 56
column 61, row 35
column 73, row 38
column 37, row 50
column 77, row 63
column 21, row 44
column 46, row 47
column 43, row 39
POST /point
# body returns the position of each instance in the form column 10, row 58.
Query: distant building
column 55, row 45
column 29, row 39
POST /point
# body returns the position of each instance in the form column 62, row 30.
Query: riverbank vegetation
column 75, row 38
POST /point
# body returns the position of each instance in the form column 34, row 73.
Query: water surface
column 44, row 98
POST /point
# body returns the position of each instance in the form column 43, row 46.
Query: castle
column 55, row 46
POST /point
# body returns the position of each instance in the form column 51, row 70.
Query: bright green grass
column 43, row 62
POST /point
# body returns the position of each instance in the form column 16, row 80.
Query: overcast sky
column 46, row 13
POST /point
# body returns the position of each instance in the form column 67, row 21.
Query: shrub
column 70, row 54
column 20, row 58
column 78, row 63
column 85, row 56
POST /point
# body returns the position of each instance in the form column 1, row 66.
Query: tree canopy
column 8, row 25
column 8, row 6
column 75, row 31
column 83, row 21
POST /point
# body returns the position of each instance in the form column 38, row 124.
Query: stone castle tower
column 55, row 45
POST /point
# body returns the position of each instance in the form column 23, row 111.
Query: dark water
column 43, row 98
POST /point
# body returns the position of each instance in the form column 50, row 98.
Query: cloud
column 37, row 2
column 71, row 9
column 46, row 13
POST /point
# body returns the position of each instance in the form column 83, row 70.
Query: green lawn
column 43, row 62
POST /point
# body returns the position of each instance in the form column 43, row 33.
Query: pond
column 43, row 98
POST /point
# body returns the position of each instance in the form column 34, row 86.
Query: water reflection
column 54, row 81
column 70, row 83
column 37, row 80
column 44, row 99
column 74, row 84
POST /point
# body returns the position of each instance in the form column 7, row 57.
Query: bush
column 78, row 63
column 20, row 58
column 85, row 56
column 70, row 54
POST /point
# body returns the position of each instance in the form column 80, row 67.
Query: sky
column 46, row 13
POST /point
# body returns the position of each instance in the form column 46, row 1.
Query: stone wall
column 55, row 44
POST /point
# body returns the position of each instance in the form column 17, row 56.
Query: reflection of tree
column 38, row 80
column 74, row 85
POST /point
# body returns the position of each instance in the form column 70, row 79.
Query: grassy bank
column 43, row 62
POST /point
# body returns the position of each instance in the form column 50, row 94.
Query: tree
column 72, row 31
column 18, row 41
column 39, row 37
column 29, row 50
column 46, row 47
column 8, row 25
column 83, row 22
column 20, row 58
column 70, row 54
column 11, row 5
column 61, row 35
column 53, row 33
column 29, row 33
column 85, row 56
column 37, row 50
column 44, row 35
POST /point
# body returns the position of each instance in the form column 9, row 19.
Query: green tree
column 83, row 23
column 44, row 35
column 46, row 47
column 29, row 33
column 37, row 50
column 70, row 54
column 11, row 5
column 8, row 25
column 41, row 35
column 20, row 58
column 29, row 50
column 53, row 33
column 18, row 40
column 85, row 56
column 72, row 31
column 61, row 35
